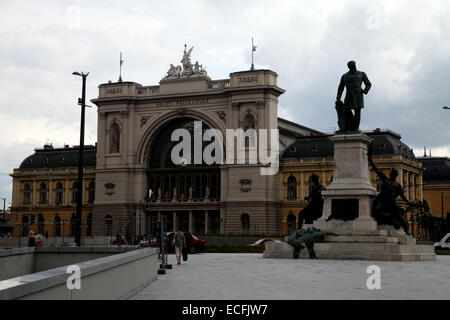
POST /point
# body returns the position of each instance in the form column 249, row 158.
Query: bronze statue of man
column 354, row 98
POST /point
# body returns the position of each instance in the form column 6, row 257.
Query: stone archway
column 154, row 126
column 188, row 194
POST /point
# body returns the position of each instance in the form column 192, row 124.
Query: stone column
column 420, row 187
column 206, row 222
column 174, row 227
column 223, row 221
column 302, row 186
column 33, row 194
column 66, row 196
column 50, row 196
column 191, row 221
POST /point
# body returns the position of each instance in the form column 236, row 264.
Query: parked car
column 193, row 243
column 261, row 243
column 444, row 244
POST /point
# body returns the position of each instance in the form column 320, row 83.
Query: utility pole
column 3, row 212
column 78, row 215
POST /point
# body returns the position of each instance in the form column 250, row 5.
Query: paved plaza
column 250, row 277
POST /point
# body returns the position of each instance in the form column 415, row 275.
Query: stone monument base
column 383, row 244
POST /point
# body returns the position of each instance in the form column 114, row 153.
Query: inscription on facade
column 190, row 102
column 114, row 91
column 248, row 79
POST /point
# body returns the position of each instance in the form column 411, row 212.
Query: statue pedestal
column 350, row 195
column 349, row 200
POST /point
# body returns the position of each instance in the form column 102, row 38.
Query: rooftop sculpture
column 187, row 70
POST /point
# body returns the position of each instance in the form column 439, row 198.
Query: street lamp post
column 3, row 212
column 78, row 215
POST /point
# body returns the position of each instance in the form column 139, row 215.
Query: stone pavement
column 214, row 276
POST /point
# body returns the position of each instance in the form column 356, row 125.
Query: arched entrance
column 187, row 195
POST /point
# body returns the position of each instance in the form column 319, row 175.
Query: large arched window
column 41, row 224
column 91, row 192
column 27, row 194
column 57, row 223
column 249, row 122
column 292, row 223
column 109, row 221
column 74, row 192
column 292, row 188
column 43, row 193
column 114, row 138
column 245, row 223
column 59, row 193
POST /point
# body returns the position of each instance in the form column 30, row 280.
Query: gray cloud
column 403, row 46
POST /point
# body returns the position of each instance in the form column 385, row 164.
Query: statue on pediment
column 174, row 72
column 187, row 69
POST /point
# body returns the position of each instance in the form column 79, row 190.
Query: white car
column 444, row 243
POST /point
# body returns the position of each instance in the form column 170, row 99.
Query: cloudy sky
column 403, row 46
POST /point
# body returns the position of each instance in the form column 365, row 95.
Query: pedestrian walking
column 180, row 243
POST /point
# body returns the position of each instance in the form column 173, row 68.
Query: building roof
column 66, row 157
column 386, row 142
column 297, row 129
column 436, row 169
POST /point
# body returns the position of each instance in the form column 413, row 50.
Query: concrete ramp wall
column 114, row 277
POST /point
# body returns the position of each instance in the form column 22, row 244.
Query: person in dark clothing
column 31, row 240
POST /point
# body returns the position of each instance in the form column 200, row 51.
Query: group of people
column 36, row 239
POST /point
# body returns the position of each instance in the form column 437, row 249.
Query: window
column 74, row 192
column 249, row 122
column 43, row 193
column 73, row 225
column 89, row 225
column 292, row 188
column 41, row 224
column 59, row 193
column 108, row 220
column 57, row 223
column 27, row 194
column 115, row 138
column 249, row 126
column 91, row 192
column 25, row 225
column 292, row 221
column 245, row 222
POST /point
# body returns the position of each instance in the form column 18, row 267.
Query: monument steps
column 336, row 255
column 365, row 238
column 371, row 248
column 355, row 251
